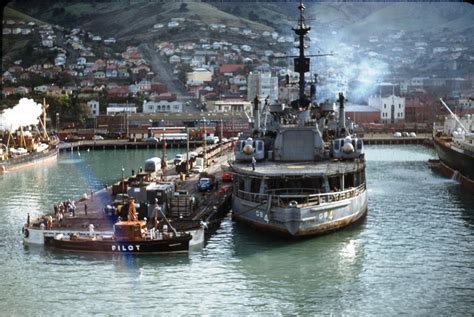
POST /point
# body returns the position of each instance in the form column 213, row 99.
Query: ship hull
column 165, row 246
column 455, row 160
column 301, row 222
column 29, row 160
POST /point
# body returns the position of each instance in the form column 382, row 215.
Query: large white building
column 234, row 106
column 392, row 108
column 162, row 106
column 117, row 108
column 264, row 85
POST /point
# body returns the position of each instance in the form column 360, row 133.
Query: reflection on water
column 412, row 254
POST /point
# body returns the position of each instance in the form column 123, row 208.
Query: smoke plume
column 25, row 113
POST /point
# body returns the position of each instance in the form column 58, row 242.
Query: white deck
column 272, row 168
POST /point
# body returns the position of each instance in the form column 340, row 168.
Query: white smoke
column 354, row 72
column 25, row 113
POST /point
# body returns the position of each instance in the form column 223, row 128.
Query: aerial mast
column 301, row 62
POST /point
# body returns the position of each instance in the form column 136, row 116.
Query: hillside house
column 231, row 69
column 94, row 107
column 81, row 61
column 198, row 75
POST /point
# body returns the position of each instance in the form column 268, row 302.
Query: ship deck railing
column 299, row 198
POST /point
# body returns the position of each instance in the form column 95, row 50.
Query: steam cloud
column 353, row 69
column 348, row 71
column 25, row 113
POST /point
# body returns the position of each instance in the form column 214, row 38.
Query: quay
column 369, row 138
column 110, row 144
column 387, row 138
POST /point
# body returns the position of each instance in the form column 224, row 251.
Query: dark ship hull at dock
column 301, row 211
column 461, row 162
column 172, row 245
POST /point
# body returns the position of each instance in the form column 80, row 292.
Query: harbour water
column 413, row 254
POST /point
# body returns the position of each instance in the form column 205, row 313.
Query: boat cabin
column 129, row 230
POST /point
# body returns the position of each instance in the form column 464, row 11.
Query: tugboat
column 129, row 237
column 302, row 170
column 454, row 143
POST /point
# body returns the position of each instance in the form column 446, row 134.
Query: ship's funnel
column 312, row 92
column 256, row 113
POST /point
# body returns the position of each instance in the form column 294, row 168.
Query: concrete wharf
column 96, row 201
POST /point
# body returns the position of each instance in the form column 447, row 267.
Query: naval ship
column 301, row 172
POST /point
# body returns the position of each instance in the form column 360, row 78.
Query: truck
column 198, row 165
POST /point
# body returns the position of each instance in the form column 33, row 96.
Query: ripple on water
column 411, row 255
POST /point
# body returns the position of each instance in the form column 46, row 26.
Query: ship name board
column 126, row 248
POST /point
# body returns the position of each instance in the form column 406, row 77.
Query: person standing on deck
column 85, row 208
column 253, row 163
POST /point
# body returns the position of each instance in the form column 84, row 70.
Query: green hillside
column 10, row 13
column 134, row 20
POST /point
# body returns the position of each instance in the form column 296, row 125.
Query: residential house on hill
column 231, row 69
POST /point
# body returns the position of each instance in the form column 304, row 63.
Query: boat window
column 349, row 180
column 342, row 143
column 259, row 146
column 336, row 145
column 359, row 144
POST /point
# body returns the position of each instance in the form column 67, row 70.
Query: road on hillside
column 164, row 73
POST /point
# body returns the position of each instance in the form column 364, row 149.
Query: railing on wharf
column 280, row 199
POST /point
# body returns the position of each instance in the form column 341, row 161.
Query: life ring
column 26, row 233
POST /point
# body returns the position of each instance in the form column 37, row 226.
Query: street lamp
column 123, row 187
column 57, row 122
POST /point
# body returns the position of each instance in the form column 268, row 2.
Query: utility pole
column 205, row 144
column 221, row 136
column 187, row 151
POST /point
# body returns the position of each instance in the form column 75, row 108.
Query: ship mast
column 301, row 62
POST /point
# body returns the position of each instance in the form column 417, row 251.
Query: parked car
column 192, row 155
column 227, row 177
column 97, row 137
column 397, row 134
column 151, row 140
column 197, row 169
column 412, row 134
column 178, row 159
